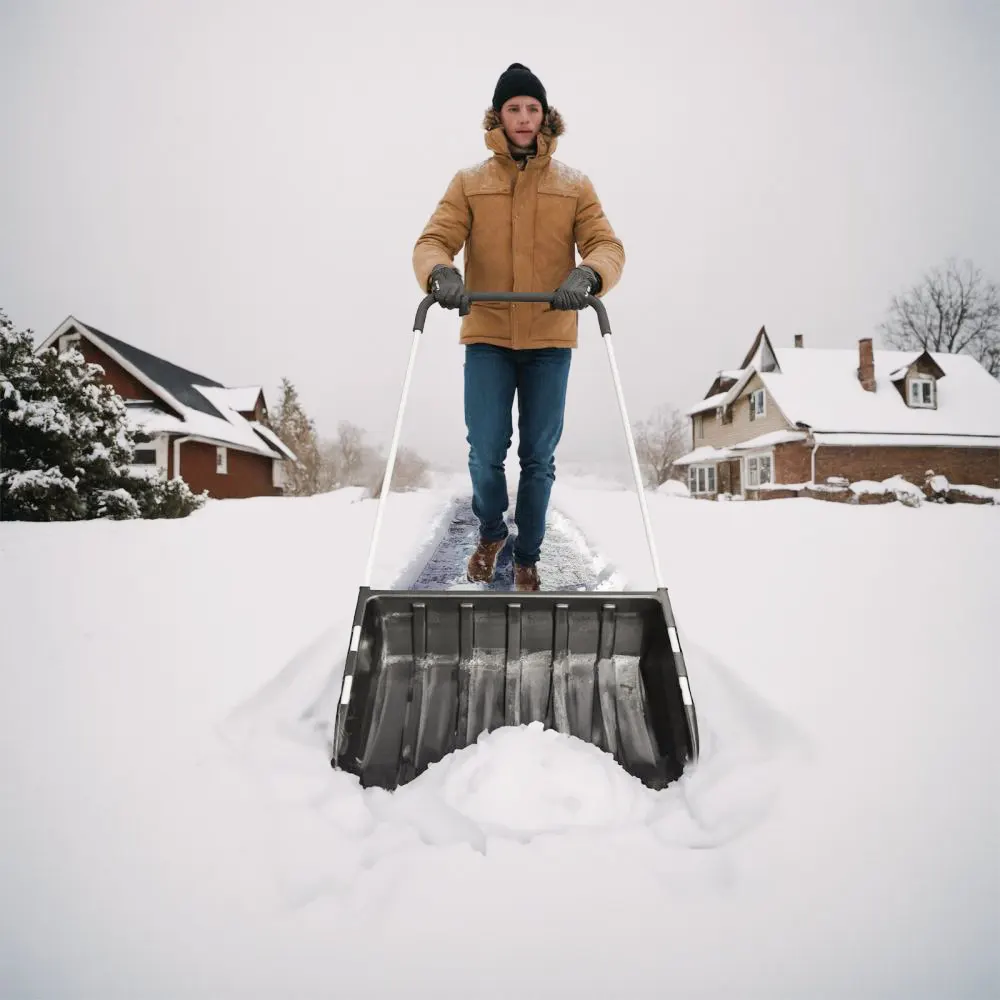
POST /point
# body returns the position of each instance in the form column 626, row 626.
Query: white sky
column 238, row 186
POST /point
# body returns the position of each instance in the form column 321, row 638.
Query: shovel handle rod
column 418, row 329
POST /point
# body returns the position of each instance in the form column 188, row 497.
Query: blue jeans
column 492, row 376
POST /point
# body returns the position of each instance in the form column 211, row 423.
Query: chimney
column 798, row 340
column 866, row 364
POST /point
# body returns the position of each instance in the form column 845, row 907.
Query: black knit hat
column 515, row 81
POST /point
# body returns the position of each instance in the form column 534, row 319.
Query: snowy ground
column 171, row 827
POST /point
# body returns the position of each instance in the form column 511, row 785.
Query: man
column 519, row 215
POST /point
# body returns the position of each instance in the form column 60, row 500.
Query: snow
column 906, row 440
column 172, row 826
column 894, row 484
column 273, row 439
column 46, row 415
column 769, row 440
column 709, row 403
column 241, row 398
column 38, row 479
column 706, row 453
column 673, row 488
column 973, row 489
column 820, row 388
column 233, row 431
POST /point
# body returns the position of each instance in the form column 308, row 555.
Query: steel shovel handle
column 592, row 300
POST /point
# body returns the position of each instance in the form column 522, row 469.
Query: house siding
column 961, row 466
column 793, row 463
column 125, row 384
column 742, row 428
column 249, row 475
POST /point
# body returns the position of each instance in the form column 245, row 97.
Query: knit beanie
column 515, row 81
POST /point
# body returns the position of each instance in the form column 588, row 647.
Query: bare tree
column 409, row 473
column 660, row 440
column 350, row 451
column 952, row 310
column 349, row 461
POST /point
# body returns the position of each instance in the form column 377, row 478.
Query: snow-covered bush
column 65, row 442
column 161, row 497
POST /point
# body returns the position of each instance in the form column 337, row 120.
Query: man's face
column 522, row 119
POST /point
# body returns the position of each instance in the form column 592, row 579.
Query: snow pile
column 673, row 488
column 985, row 492
column 173, row 828
column 901, row 488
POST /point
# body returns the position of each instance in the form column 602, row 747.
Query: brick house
column 212, row 436
column 793, row 417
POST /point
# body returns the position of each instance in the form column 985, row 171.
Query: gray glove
column 573, row 292
column 448, row 289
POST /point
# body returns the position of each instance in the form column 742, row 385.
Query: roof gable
column 761, row 355
column 200, row 406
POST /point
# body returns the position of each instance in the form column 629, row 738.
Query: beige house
column 788, row 418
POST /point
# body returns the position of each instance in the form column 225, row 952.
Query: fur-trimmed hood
column 552, row 125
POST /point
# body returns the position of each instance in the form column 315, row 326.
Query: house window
column 922, row 392
column 699, row 426
column 144, row 456
column 759, row 470
column 701, row 479
column 70, row 341
column 756, row 404
column 221, row 461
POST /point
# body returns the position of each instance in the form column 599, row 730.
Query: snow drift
column 173, row 828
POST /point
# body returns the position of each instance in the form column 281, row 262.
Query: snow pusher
column 428, row 671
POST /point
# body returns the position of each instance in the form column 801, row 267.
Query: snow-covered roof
column 769, row 440
column 269, row 435
column 706, row 453
column 233, row 432
column 243, row 398
column 710, row 403
column 819, row 388
column 910, row 440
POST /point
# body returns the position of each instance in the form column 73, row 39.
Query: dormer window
column 922, row 392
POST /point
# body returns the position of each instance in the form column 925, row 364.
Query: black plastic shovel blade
column 428, row 671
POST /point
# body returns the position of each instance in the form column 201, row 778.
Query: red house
column 210, row 435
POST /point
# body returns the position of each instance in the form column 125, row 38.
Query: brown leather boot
column 483, row 562
column 526, row 578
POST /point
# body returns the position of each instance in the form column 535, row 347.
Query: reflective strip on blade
column 674, row 642
column 355, row 638
column 345, row 695
column 685, row 690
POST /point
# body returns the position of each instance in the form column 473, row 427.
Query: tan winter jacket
column 519, row 227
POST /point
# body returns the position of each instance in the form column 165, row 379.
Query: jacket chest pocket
column 555, row 217
column 491, row 209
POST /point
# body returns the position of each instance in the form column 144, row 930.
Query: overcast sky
column 237, row 186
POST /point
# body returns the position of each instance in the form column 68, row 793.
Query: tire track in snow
column 567, row 562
